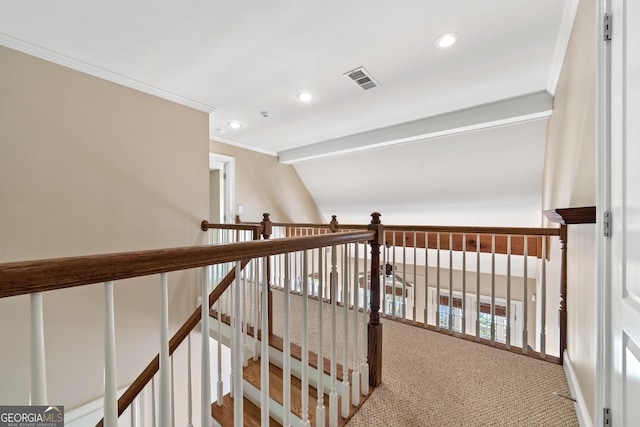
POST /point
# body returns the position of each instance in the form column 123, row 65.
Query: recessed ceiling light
column 222, row 131
column 235, row 125
column 305, row 96
column 446, row 40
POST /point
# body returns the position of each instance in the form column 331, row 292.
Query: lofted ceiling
column 436, row 116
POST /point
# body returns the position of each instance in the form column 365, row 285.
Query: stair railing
column 37, row 277
column 486, row 284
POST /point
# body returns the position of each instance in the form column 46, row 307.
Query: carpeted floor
column 430, row 379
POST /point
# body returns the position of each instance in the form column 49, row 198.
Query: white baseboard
column 584, row 418
column 88, row 414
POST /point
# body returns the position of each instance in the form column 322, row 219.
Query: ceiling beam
column 520, row 109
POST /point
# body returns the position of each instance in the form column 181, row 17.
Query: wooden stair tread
column 296, row 351
column 251, row 418
column 252, row 375
column 276, row 382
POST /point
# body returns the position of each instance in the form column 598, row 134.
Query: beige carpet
column 430, row 379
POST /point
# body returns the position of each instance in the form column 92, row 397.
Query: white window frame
column 470, row 319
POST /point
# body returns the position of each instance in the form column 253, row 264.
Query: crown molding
column 218, row 138
column 93, row 70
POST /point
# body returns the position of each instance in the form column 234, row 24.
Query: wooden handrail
column 403, row 234
column 517, row 231
column 20, row 278
column 206, row 225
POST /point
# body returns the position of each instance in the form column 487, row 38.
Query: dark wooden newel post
column 333, row 227
column 563, row 292
column 266, row 233
column 375, row 327
column 564, row 217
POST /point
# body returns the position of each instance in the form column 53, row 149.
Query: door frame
column 602, row 388
column 229, row 178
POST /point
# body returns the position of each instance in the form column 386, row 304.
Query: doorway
column 221, row 189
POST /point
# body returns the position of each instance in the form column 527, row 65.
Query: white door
column 625, row 210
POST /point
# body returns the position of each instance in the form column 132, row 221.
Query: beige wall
column 87, row 167
column 569, row 181
column 265, row 185
column 216, row 190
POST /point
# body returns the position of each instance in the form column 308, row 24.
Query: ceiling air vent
column 363, row 78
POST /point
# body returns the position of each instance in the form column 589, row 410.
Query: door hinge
column 606, row 417
column 606, row 224
column 606, row 27
column 224, row 176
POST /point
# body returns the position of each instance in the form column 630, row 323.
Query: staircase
column 223, row 414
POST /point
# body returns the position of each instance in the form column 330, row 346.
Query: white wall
column 570, row 181
column 491, row 177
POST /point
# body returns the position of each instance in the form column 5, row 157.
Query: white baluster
column 493, row 289
column 426, row 280
column 464, row 285
column 173, row 397
column 264, row 349
column 320, row 417
column 393, row 279
column 238, row 353
column 333, row 395
column 438, row 282
column 255, row 302
column 286, row 362
column 143, row 408
column 165, row 369
column 345, row 344
column 232, row 348
column 133, row 412
column 415, row 277
column 305, row 343
column 404, row 276
column 543, row 300
column 450, row 284
column 508, row 340
column 327, row 284
column 525, row 298
column 205, row 384
column 478, row 287
column 355, row 375
column 38, row 391
column 313, row 291
column 110, row 383
column 246, row 297
column 153, row 402
column 219, row 383
column 189, row 392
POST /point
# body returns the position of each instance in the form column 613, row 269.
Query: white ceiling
column 240, row 58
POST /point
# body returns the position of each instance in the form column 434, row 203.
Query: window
column 389, row 299
column 455, row 314
column 444, row 315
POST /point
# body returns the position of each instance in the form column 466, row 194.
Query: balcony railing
column 248, row 306
column 490, row 285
